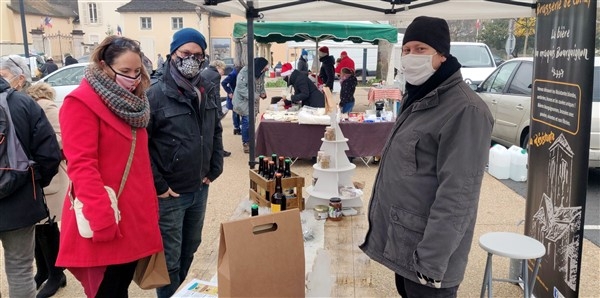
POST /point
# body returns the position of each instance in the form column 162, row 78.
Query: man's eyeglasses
column 185, row 54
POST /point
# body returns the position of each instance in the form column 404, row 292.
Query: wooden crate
column 258, row 186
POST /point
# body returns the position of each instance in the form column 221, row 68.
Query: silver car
column 507, row 92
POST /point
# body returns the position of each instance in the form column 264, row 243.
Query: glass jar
column 321, row 212
column 325, row 161
column 335, row 209
column 329, row 133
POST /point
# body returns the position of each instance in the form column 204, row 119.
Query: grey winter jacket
column 240, row 94
column 424, row 203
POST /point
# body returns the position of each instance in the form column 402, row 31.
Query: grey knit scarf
column 132, row 109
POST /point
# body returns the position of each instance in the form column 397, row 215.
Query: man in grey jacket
column 423, row 207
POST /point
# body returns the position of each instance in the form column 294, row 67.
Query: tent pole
column 251, row 79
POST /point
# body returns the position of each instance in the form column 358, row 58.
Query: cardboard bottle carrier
column 262, row 256
column 258, row 186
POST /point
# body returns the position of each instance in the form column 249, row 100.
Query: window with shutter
column 93, row 13
column 84, row 11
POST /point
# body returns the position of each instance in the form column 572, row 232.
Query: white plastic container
column 518, row 164
column 499, row 162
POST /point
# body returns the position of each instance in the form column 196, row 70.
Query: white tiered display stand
column 338, row 174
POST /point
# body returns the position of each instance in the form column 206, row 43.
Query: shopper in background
column 305, row 91
column 101, row 121
column 23, row 208
column 241, row 103
column 70, row 60
column 47, row 235
column 213, row 74
column 147, row 64
column 345, row 62
column 302, row 64
column 348, row 84
column 159, row 62
column 15, row 71
column 48, row 67
column 327, row 72
column 228, row 84
column 186, row 148
column 424, row 203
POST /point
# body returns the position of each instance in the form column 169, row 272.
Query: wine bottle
column 266, row 168
column 272, row 170
column 260, row 165
column 287, row 172
column 274, row 159
column 278, row 198
column 281, row 167
column 254, row 209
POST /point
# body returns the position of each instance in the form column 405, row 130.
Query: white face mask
column 417, row 68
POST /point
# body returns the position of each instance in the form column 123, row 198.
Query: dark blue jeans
column 235, row 116
column 347, row 108
column 236, row 119
column 245, row 127
column 181, row 221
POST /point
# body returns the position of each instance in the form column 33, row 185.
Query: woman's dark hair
column 114, row 46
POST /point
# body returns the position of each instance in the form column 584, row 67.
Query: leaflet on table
column 198, row 288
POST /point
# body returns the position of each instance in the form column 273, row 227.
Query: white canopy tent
column 359, row 10
column 372, row 10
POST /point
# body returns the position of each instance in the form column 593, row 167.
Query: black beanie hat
column 432, row 31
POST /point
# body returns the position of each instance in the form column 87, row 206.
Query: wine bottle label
column 275, row 208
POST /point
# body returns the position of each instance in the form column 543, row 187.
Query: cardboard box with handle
column 262, row 256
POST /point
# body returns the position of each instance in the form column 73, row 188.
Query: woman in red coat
column 97, row 121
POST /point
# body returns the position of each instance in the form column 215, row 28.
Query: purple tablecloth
column 302, row 140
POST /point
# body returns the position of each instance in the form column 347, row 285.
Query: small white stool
column 514, row 246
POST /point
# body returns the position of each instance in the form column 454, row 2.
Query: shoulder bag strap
column 129, row 161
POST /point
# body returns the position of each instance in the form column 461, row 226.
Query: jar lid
column 321, row 208
column 335, row 200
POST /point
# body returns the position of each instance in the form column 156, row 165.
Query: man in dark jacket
column 305, row 91
column 302, row 64
column 327, row 72
column 48, row 67
column 186, row 151
column 21, row 210
column 423, row 207
column 213, row 74
column 70, row 60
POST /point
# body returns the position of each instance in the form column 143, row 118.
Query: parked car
column 507, row 92
column 476, row 59
column 65, row 79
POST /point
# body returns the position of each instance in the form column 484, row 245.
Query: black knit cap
column 432, row 31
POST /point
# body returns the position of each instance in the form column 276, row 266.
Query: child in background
column 348, row 82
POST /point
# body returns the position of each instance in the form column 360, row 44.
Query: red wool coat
column 96, row 144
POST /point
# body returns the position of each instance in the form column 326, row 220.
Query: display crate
column 259, row 185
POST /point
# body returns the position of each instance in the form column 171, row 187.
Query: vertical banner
column 559, row 140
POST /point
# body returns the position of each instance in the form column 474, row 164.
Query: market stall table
column 304, row 141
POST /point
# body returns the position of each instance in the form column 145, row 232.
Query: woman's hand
column 109, row 233
column 169, row 193
column 263, row 95
column 206, row 181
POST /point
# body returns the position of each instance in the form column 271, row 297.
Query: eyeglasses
column 122, row 42
column 185, row 54
column 17, row 64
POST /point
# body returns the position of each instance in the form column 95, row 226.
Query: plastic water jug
column 499, row 162
column 518, row 164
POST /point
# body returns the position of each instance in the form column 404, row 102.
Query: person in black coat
column 213, row 74
column 348, row 82
column 48, row 67
column 327, row 72
column 305, row 90
column 70, row 60
column 22, row 209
